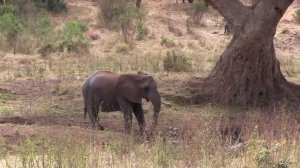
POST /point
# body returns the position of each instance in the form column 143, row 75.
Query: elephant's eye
column 146, row 88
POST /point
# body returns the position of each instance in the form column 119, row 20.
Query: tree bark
column 138, row 3
column 248, row 72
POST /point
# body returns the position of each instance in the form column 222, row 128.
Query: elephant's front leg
column 126, row 108
column 128, row 119
column 138, row 112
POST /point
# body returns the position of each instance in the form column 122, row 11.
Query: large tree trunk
column 138, row 3
column 248, row 72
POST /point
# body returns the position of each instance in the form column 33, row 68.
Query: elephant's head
column 134, row 87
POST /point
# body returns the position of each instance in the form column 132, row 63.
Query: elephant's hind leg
column 93, row 115
column 98, row 125
column 138, row 112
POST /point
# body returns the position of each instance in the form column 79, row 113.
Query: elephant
column 108, row 91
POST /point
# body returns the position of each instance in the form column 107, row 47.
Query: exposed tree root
column 206, row 90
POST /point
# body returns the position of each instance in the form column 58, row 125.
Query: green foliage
column 164, row 154
column 9, row 8
column 42, row 27
column 283, row 164
column 6, row 96
column 142, row 31
column 199, row 6
column 297, row 15
column 56, row 6
column 121, row 15
column 10, row 25
column 166, row 41
column 71, row 39
column 262, row 151
column 122, row 48
column 197, row 10
column 19, row 33
column 111, row 11
column 50, row 153
column 177, row 62
column 60, row 90
column 262, row 157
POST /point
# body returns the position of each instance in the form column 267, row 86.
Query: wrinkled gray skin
column 108, row 91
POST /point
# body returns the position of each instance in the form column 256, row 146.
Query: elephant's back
column 103, row 79
column 103, row 88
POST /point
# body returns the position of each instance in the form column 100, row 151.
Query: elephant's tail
column 85, row 94
column 85, row 111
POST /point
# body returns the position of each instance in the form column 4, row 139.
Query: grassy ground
column 42, row 122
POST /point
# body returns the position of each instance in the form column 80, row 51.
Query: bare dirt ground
column 49, row 106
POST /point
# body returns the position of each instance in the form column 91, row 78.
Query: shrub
column 9, row 8
column 11, row 26
column 142, row 31
column 111, row 10
column 177, row 62
column 297, row 15
column 166, row 41
column 121, row 15
column 26, row 43
column 56, row 6
column 196, row 12
column 122, row 48
column 72, row 36
column 42, row 27
column 71, row 39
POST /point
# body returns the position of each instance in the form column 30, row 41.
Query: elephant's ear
column 127, row 86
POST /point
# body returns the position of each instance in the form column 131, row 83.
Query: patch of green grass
column 176, row 61
column 7, row 96
column 122, row 48
column 142, row 31
column 60, row 90
column 5, row 110
column 167, row 41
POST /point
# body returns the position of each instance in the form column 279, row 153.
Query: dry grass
column 268, row 141
column 42, row 115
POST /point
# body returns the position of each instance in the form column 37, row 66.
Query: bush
column 177, row 62
column 42, row 27
column 56, row 6
column 71, row 39
column 122, row 48
column 9, row 8
column 121, row 15
column 297, row 15
column 10, row 25
column 142, row 31
column 166, row 41
column 196, row 12
column 72, row 36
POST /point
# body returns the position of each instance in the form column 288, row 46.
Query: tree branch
column 233, row 10
column 280, row 6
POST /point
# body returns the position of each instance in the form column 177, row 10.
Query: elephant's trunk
column 154, row 98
